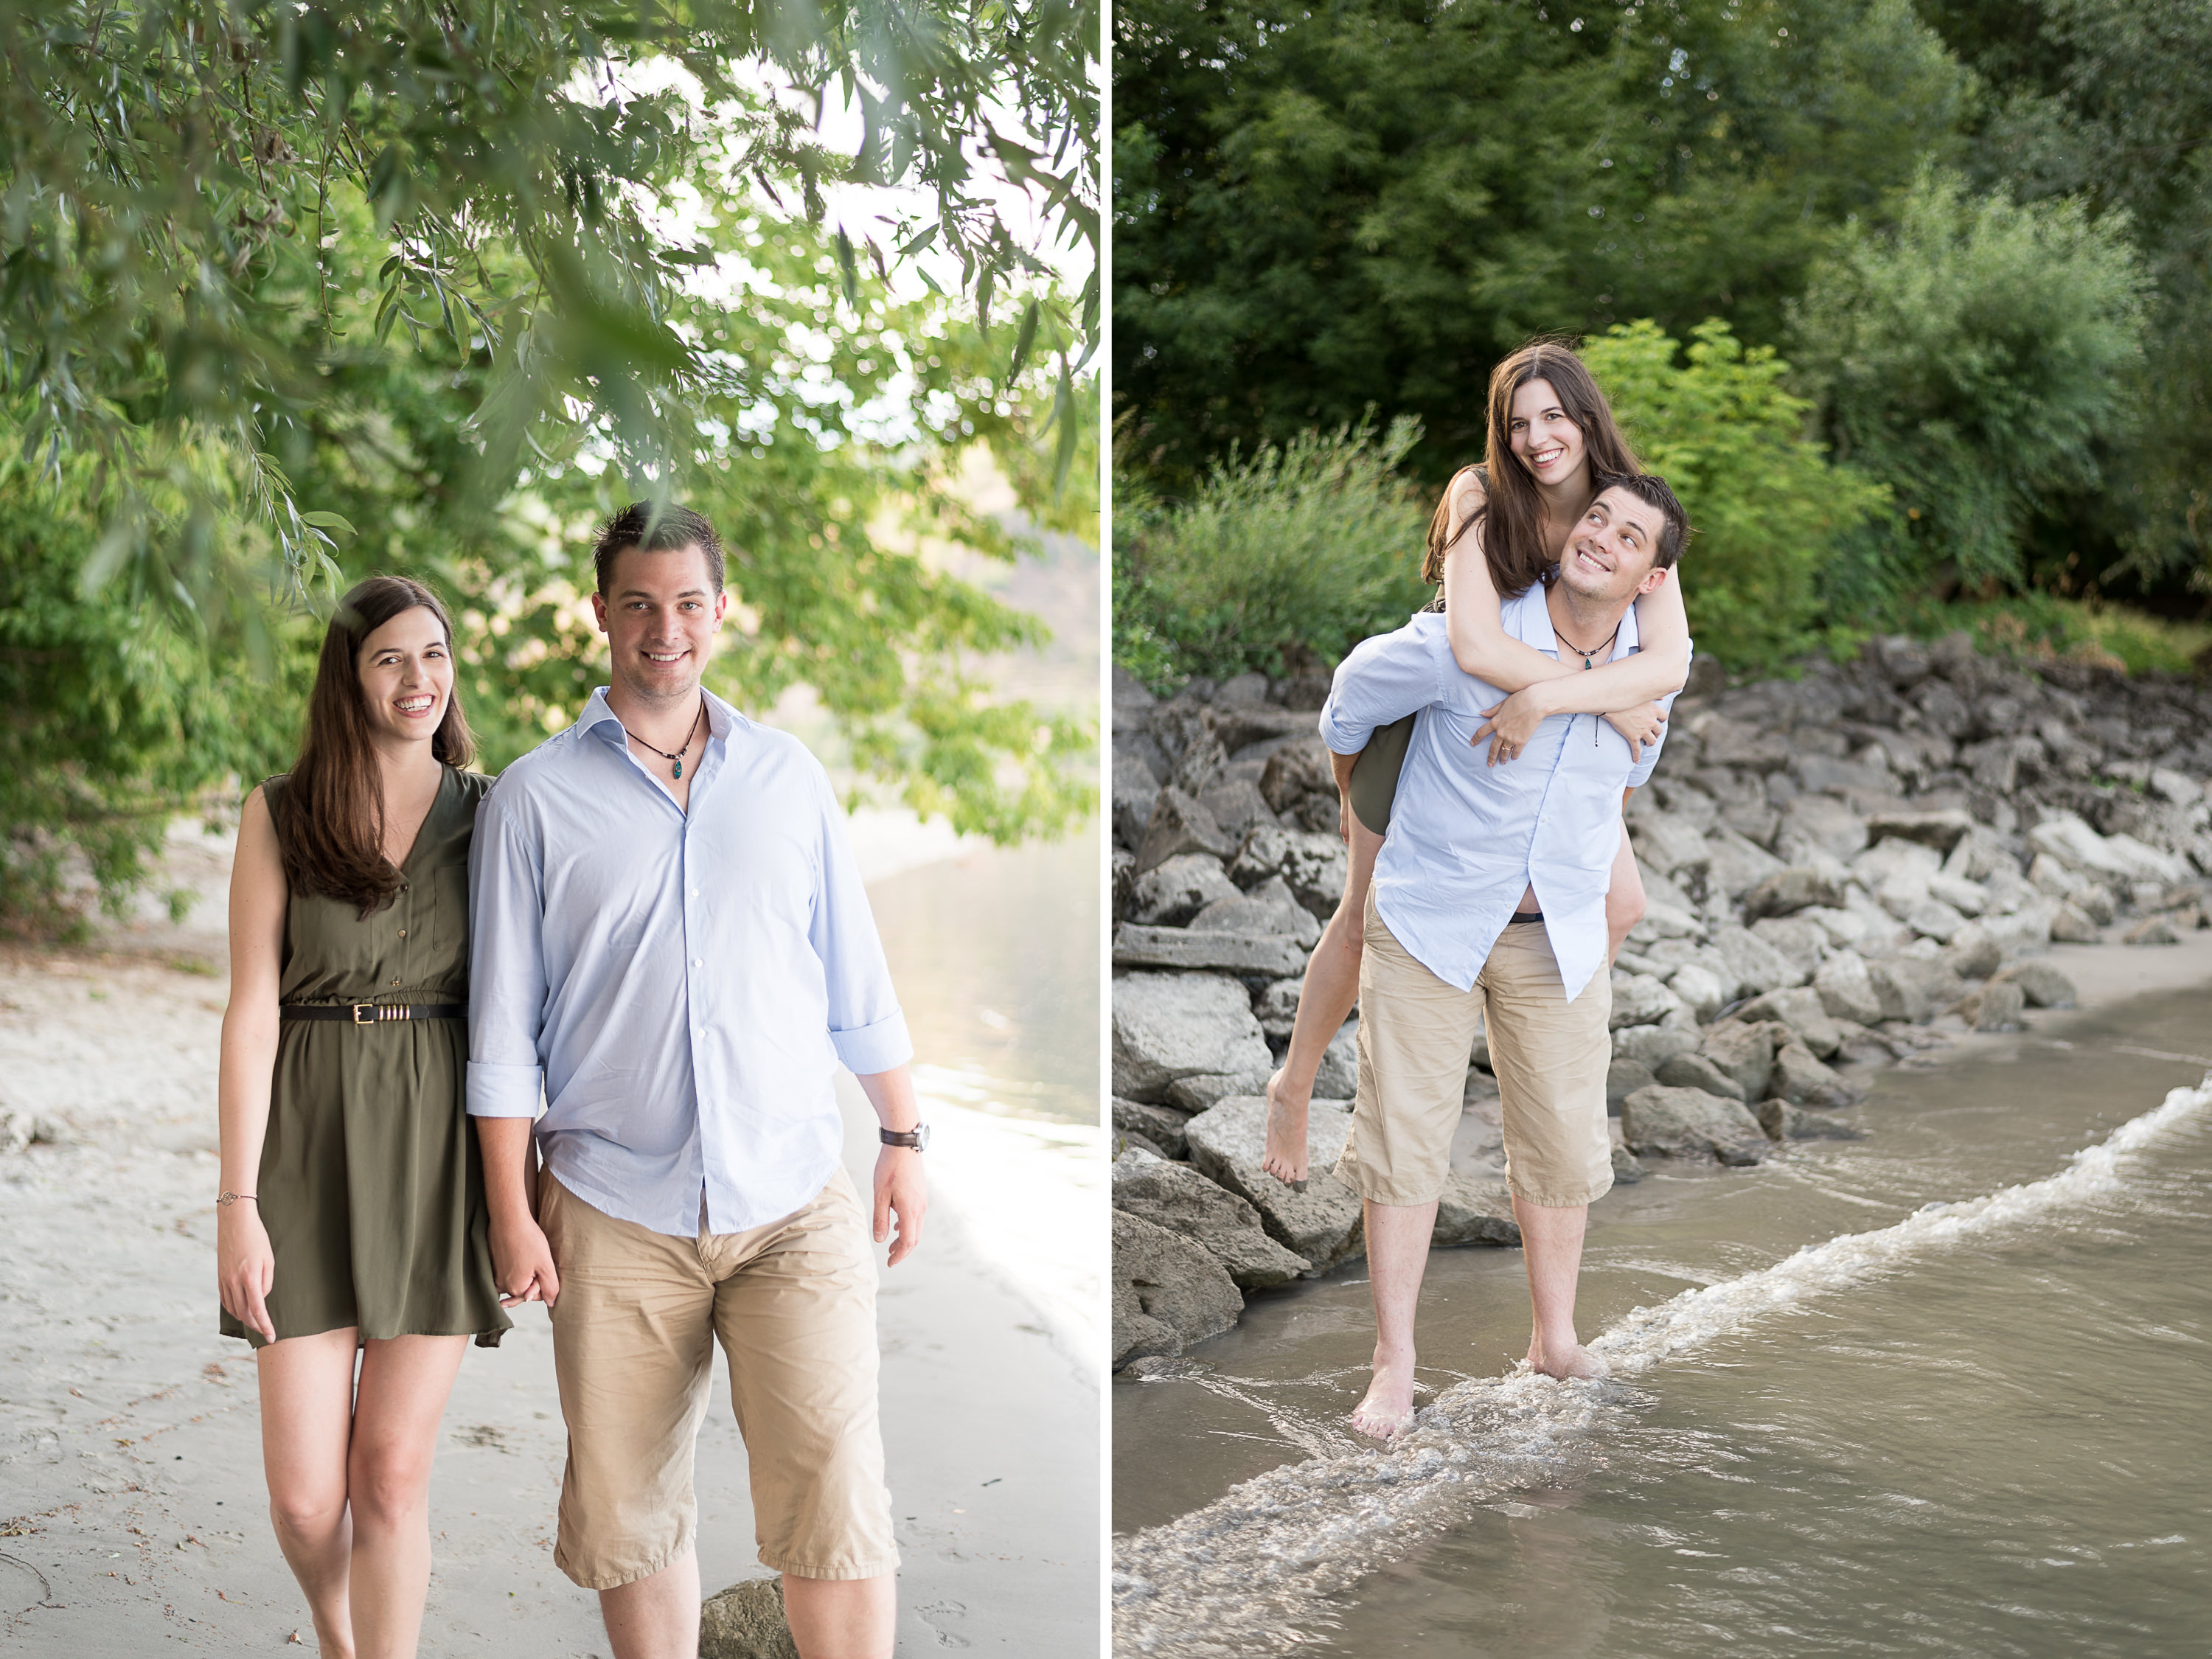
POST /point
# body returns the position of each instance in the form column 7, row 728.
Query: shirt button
column 395, row 983
column 696, row 963
column 403, row 933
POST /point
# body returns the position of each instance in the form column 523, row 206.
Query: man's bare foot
column 1387, row 1409
column 1571, row 1360
column 1286, row 1157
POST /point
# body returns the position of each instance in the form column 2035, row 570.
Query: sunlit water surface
column 1975, row 1429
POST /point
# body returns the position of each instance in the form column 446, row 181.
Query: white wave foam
column 1229, row 1579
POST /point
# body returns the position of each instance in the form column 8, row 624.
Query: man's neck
column 1590, row 624
column 649, row 719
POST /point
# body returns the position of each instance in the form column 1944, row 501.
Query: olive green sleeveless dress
column 370, row 1186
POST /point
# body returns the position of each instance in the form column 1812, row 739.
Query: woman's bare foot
column 1387, row 1409
column 1286, row 1157
column 1569, row 1360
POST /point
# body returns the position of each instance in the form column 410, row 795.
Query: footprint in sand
column 933, row 1611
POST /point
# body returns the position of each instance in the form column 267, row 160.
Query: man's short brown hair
column 1651, row 489
column 666, row 528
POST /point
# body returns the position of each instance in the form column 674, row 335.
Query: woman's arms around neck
column 1482, row 647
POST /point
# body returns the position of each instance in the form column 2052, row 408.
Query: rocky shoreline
column 1841, row 870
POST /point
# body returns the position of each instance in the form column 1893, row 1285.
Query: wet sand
column 131, row 1500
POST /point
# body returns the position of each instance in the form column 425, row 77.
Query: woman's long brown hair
column 1511, row 514
column 328, row 817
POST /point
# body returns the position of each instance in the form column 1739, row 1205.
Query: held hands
column 1511, row 725
column 1644, row 724
column 245, row 1267
column 899, row 1191
column 522, row 1261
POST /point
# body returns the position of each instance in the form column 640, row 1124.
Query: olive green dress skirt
column 370, row 1184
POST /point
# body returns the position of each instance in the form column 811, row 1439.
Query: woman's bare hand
column 1644, row 724
column 1512, row 724
column 245, row 1267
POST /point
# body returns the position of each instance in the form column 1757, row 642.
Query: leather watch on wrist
column 917, row 1137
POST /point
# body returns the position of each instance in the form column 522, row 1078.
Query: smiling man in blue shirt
column 672, row 947
column 1487, row 908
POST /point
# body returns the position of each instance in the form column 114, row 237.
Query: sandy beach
column 131, row 1490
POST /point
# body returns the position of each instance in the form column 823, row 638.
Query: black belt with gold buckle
column 371, row 1013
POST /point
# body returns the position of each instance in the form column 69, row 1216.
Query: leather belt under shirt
column 371, row 1013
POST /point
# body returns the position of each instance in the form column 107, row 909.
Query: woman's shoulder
column 473, row 786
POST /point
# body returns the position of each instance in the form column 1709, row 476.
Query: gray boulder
column 1168, row 1291
column 1627, row 1170
column 1696, row 1071
column 1277, row 1007
column 1757, row 965
column 1640, row 999
column 1179, row 824
column 1172, row 894
column 1337, row 1077
column 746, row 1621
column 2151, row 930
column 1913, row 987
column 1649, row 1044
column 1202, row 1091
column 1942, row 831
column 1824, row 822
column 1473, row 1211
column 1690, row 1123
column 1995, row 1007
column 1274, row 955
column 1799, row 940
column 1177, row 1197
column 2071, row 926
column 1624, row 1078
column 1783, row 1122
column 1738, row 864
column 1135, row 788
column 2044, row 985
column 1312, row 865
column 1973, row 952
column 1701, row 992
column 1801, row 1080
column 1788, row 891
column 1802, row 1010
column 1267, row 908
column 1171, row 1025
column 1744, row 1052
column 1237, row 807
column 1846, row 989
column 1298, row 769
column 1321, row 1223
column 1161, row 1127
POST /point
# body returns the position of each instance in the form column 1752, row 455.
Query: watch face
column 920, row 1137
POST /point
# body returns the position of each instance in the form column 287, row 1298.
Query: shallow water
column 995, row 955
column 1971, row 1429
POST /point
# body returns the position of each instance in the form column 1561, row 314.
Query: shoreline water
column 1319, row 1509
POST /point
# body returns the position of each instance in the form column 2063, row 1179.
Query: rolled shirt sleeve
column 507, row 968
column 865, row 1026
column 1640, row 774
column 1385, row 679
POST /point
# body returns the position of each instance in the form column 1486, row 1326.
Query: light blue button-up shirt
column 681, row 986
column 1465, row 837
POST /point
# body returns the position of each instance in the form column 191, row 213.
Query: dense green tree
column 1971, row 358
column 1319, row 208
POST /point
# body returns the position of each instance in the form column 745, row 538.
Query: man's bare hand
column 900, row 1191
column 522, row 1263
column 1642, row 725
column 245, row 1267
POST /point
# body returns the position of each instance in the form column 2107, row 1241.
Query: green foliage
column 116, row 713
column 2040, row 626
column 1296, row 551
column 1317, row 210
column 1767, row 507
column 1971, row 360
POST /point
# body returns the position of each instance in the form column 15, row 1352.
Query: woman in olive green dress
column 352, row 1229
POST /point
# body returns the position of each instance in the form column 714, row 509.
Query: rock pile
column 1838, row 869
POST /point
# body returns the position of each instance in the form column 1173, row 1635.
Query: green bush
column 1973, row 360
column 1766, row 506
column 1306, row 548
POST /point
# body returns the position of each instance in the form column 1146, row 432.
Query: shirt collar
column 1529, row 619
column 600, row 720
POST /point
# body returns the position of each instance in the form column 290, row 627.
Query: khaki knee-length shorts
column 793, row 1305
column 1551, row 1056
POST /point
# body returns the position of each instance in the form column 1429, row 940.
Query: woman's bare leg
column 1624, row 899
column 404, row 1381
column 1324, row 1002
column 306, row 1430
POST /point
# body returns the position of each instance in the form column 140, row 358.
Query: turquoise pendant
column 680, row 769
